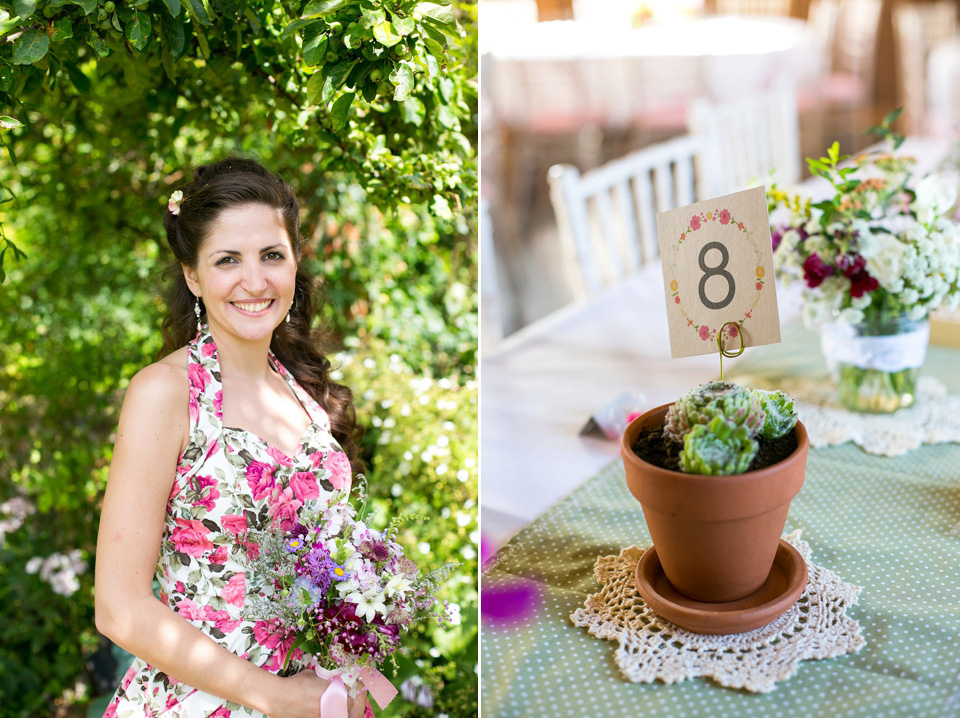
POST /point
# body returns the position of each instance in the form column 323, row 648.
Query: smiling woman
column 237, row 423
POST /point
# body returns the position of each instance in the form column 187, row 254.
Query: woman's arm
column 152, row 432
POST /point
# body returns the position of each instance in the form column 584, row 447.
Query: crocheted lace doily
column 651, row 648
column 933, row 419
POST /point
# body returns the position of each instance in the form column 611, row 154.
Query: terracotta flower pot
column 716, row 536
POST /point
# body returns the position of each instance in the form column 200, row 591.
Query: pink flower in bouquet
column 190, row 537
column 704, row 332
column 695, row 222
column 260, row 479
column 724, row 216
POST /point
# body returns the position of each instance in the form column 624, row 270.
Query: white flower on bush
column 13, row 512
column 416, row 691
column 935, row 195
column 60, row 571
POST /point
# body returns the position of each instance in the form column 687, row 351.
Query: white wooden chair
column 748, row 138
column 607, row 215
column 491, row 318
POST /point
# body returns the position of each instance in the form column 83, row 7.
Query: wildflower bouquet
column 876, row 257
column 343, row 590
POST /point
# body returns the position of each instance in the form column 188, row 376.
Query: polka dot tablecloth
column 889, row 525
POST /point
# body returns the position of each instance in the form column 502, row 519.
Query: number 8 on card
column 718, row 268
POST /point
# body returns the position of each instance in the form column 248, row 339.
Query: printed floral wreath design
column 698, row 221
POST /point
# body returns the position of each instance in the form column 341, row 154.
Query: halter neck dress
column 228, row 481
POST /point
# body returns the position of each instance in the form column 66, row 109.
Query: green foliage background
column 368, row 107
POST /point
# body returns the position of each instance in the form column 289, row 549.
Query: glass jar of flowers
column 875, row 258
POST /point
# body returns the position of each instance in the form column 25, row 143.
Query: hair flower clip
column 173, row 204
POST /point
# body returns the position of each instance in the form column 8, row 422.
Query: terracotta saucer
column 783, row 587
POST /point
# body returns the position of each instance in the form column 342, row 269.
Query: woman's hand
column 301, row 694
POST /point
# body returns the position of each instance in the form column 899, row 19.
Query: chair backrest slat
column 607, row 216
column 747, row 138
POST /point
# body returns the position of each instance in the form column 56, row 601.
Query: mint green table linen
column 889, row 525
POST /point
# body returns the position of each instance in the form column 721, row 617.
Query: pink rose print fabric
column 228, row 482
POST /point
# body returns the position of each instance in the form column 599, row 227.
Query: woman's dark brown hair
column 235, row 182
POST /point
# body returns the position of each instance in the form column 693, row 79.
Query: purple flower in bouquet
column 337, row 589
column 306, row 594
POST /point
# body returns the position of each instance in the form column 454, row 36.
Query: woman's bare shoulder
column 163, row 384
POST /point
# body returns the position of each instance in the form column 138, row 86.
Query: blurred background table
column 582, row 82
column 606, row 74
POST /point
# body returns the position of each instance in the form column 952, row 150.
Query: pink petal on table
column 514, row 602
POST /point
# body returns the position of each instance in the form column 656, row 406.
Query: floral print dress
column 228, row 481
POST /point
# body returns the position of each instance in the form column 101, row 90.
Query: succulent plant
column 717, row 448
column 779, row 411
column 734, row 403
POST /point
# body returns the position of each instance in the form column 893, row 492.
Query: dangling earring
column 288, row 317
column 196, row 310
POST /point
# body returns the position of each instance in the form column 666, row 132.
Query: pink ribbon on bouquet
column 333, row 702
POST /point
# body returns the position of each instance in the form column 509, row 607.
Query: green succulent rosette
column 719, row 448
column 780, row 413
column 736, row 405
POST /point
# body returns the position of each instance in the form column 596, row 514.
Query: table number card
column 718, row 268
